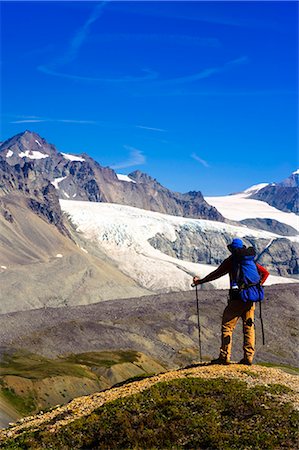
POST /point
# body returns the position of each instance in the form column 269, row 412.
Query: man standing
column 236, row 307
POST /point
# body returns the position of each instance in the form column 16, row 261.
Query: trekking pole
column 262, row 323
column 198, row 322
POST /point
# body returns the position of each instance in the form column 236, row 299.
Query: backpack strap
column 236, row 272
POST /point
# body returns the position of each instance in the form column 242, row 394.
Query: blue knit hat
column 236, row 243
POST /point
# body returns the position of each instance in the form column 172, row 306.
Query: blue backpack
column 246, row 278
column 246, row 275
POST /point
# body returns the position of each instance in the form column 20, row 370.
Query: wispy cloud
column 178, row 39
column 200, row 160
column 82, row 33
column 205, row 73
column 88, row 122
column 149, row 75
column 215, row 93
column 74, row 46
column 150, row 128
column 136, row 158
column 28, row 121
column 34, row 119
column 55, row 68
column 238, row 19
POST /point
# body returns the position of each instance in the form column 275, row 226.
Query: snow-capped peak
column 296, row 172
column 255, row 188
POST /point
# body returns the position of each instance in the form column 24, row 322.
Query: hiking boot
column 245, row 361
column 222, row 361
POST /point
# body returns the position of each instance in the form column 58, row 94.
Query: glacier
column 123, row 233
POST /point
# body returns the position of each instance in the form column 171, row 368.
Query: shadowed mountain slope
column 40, row 267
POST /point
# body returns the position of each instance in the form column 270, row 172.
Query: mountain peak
column 255, row 188
column 292, row 180
column 141, row 177
column 26, row 144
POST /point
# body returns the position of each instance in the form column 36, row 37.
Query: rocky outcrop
column 280, row 256
column 37, row 191
column 272, row 225
column 281, row 197
column 204, row 248
column 292, row 180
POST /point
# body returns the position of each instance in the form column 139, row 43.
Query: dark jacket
column 227, row 268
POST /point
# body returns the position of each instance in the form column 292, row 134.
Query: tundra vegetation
column 182, row 413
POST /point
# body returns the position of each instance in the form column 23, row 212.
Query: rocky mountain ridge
column 283, row 195
column 81, row 178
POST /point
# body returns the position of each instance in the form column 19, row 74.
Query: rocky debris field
column 162, row 326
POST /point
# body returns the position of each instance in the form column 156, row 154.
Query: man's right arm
column 223, row 269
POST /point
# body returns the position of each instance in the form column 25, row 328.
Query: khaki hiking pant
column 232, row 313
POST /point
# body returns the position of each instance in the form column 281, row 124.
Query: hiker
column 238, row 305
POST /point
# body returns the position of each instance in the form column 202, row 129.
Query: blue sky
column 200, row 95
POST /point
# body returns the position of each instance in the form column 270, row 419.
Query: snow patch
column 38, row 143
column 239, row 207
column 255, row 188
column 72, row 157
column 122, row 232
column 3, row 267
column 66, row 194
column 9, row 154
column 296, row 172
column 57, row 181
column 59, row 255
column 122, row 177
column 33, row 154
column 84, row 250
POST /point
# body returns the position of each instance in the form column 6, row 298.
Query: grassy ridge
column 32, row 367
column 183, row 413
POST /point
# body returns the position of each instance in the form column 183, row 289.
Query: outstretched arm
column 223, row 269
